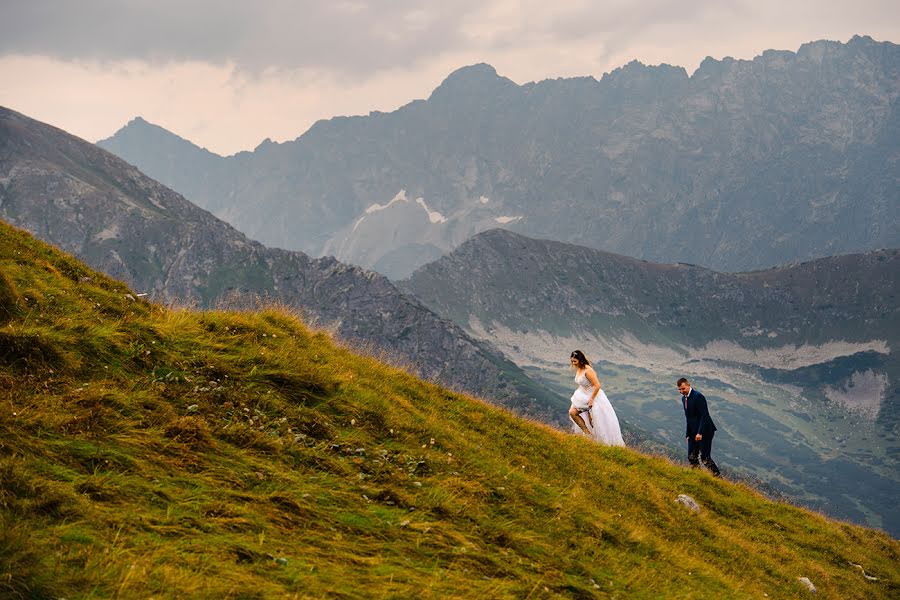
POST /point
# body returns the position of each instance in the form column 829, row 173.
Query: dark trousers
column 703, row 449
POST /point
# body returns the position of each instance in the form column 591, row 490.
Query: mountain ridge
column 759, row 162
column 516, row 248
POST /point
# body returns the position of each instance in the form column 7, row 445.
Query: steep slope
column 801, row 360
column 147, row 451
column 742, row 165
column 88, row 202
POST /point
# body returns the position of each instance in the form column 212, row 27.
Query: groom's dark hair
column 682, row 380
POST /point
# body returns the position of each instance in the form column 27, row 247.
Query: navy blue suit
column 696, row 413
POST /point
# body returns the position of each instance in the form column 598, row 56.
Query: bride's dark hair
column 581, row 358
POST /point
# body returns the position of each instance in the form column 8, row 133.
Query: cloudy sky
column 228, row 73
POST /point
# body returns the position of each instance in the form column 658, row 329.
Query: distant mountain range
column 92, row 204
column 741, row 165
column 800, row 363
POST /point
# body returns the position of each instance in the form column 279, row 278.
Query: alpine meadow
column 157, row 451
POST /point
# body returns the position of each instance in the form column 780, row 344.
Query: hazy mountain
column 88, row 202
column 741, row 165
column 799, row 363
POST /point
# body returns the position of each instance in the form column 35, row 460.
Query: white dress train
column 605, row 428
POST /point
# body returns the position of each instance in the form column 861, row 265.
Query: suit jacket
column 697, row 415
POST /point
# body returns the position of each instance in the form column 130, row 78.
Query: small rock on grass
column 689, row 502
column 860, row 567
column 807, row 584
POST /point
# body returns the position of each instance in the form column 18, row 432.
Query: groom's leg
column 706, row 455
column 693, row 452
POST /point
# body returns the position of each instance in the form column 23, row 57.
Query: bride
column 591, row 410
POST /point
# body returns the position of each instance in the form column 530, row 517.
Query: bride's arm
column 592, row 377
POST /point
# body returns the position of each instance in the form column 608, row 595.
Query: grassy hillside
column 147, row 451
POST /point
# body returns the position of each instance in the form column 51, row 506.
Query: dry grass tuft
column 29, row 351
column 9, row 299
column 190, row 431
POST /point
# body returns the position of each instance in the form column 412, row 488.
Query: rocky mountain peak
column 141, row 125
column 264, row 145
column 819, row 49
column 645, row 79
column 140, row 131
column 477, row 79
column 709, row 67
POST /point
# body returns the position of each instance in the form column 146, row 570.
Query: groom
column 700, row 426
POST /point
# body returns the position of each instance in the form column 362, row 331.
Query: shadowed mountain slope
column 153, row 451
column 510, row 278
column 94, row 205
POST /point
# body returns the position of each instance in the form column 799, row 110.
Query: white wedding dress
column 605, row 428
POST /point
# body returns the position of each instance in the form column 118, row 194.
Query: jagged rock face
column 92, row 204
column 799, row 363
column 744, row 164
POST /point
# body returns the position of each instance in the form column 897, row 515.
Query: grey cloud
column 611, row 24
column 621, row 17
column 347, row 36
column 627, row 18
column 358, row 37
column 626, row 23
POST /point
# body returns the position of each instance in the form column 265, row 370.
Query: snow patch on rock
column 433, row 215
column 400, row 197
column 863, row 394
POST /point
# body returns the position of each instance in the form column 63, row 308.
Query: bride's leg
column 573, row 412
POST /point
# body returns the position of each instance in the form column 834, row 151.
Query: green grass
column 160, row 452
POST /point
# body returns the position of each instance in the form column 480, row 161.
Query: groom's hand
column 698, row 437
